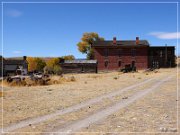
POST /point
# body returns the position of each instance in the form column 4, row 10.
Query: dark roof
column 121, row 43
column 162, row 46
column 79, row 61
column 14, row 58
column 14, row 62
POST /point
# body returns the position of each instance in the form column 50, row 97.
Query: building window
column 106, row 52
column 161, row 53
column 120, row 52
column 156, row 53
column 151, row 53
column 169, row 52
column 119, row 63
column 133, row 52
column 106, row 63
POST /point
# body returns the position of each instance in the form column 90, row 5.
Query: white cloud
column 16, row 52
column 13, row 13
column 166, row 35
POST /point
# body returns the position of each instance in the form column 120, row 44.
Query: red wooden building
column 116, row 54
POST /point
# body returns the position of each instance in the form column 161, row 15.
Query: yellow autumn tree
column 31, row 64
column 84, row 46
column 35, row 63
column 68, row 57
column 52, row 63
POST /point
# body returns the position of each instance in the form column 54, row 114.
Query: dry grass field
column 72, row 104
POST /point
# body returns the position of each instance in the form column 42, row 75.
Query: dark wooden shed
column 161, row 56
column 79, row 66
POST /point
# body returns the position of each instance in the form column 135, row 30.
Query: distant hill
column 20, row 58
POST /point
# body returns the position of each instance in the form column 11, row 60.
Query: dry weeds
column 29, row 82
column 2, row 94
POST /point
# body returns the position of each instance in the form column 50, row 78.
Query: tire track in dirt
column 83, row 123
column 74, row 108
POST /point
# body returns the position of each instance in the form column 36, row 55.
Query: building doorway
column 133, row 66
column 155, row 64
column 106, row 63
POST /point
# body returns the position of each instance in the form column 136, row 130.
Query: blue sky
column 55, row 29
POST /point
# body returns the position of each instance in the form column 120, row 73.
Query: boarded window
column 106, row 51
column 119, row 63
column 120, row 52
column 133, row 52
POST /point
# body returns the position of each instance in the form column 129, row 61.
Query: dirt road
column 72, row 108
column 77, row 125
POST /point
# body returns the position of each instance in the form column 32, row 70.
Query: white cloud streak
column 16, row 52
column 13, row 13
column 165, row 35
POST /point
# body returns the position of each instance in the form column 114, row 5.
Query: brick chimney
column 114, row 40
column 24, row 57
column 137, row 40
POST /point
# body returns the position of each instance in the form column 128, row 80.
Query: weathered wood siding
column 79, row 68
column 157, row 56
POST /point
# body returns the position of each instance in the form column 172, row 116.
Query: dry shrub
column 56, row 77
column 120, row 73
column 94, row 76
column 60, row 79
column 25, row 82
column 30, row 82
column 56, row 80
column 156, row 71
column 1, row 94
column 71, row 79
column 15, row 83
column 4, row 83
column 40, row 82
